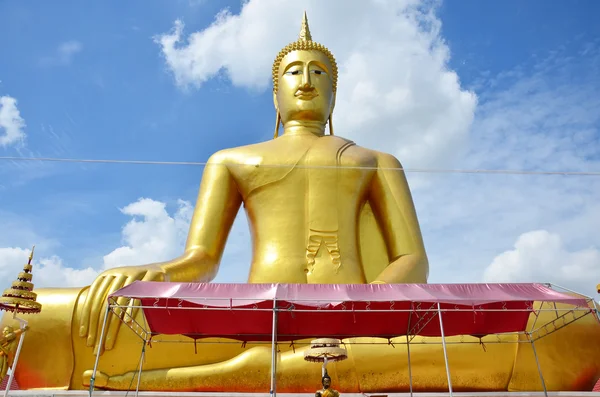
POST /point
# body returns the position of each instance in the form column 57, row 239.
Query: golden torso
column 302, row 210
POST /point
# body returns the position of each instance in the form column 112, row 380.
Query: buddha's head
column 304, row 81
column 8, row 331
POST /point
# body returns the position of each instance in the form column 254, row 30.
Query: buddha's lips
column 306, row 95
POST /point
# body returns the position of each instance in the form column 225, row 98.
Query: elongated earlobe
column 277, row 122
column 331, row 124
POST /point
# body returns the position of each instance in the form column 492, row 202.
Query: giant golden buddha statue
column 321, row 209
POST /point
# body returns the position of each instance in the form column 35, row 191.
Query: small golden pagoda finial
column 20, row 298
column 305, row 30
column 31, row 255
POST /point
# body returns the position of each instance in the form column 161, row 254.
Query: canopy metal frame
column 568, row 315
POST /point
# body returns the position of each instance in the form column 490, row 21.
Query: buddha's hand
column 94, row 309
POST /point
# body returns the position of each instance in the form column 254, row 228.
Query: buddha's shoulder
column 241, row 153
column 382, row 159
column 385, row 159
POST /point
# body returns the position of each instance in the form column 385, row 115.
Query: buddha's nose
column 306, row 83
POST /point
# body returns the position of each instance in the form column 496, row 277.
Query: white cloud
column 396, row 92
column 546, row 119
column 64, row 53
column 68, row 49
column 12, row 124
column 540, row 256
column 158, row 236
column 152, row 235
column 48, row 271
column 155, row 237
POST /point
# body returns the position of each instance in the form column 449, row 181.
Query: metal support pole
column 551, row 286
column 17, row 353
column 410, row 385
column 410, row 381
column 538, row 364
column 92, row 380
column 537, row 315
column 274, row 350
column 445, row 350
column 137, row 388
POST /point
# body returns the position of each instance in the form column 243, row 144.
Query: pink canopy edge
column 337, row 310
column 218, row 295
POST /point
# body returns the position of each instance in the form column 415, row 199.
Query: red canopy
column 245, row 311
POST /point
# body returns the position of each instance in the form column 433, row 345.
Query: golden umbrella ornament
column 325, row 350
column 20, row 298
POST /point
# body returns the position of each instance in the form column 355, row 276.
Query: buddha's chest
column 317, row 173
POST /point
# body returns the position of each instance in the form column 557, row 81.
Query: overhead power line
column 200, row 163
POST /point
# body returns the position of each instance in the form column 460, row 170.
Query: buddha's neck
column 304, row 127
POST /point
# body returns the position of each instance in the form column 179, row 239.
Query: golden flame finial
column 305, row 30
column 31, row 255
column 20, row 298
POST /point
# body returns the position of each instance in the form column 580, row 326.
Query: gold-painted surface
column 370, row 233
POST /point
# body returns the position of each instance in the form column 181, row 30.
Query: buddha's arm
column 216, row 208
column 393, row 207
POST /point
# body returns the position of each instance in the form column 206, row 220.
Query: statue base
column 84, row 393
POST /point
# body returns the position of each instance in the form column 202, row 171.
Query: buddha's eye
column 294, row 72
column 317, row 72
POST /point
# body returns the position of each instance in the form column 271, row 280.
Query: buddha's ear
column 275, row 100
column 333, row 103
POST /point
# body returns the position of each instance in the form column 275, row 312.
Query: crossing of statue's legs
column 374, row 365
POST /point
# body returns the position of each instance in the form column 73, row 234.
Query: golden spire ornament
column 305, row 30
column 20, row 298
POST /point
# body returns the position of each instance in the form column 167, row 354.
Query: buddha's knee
column 569, row 357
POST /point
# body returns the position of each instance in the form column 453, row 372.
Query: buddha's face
column 326, row 383
column 7, row 331
column 305, row 88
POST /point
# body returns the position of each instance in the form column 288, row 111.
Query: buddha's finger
column 87, row 307
column 131, row 312
column 110, row 289
column 95, row 311
column 114, row 321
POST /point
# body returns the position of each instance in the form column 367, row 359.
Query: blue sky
column 500, row 85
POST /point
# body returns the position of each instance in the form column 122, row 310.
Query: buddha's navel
column 323, row 250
